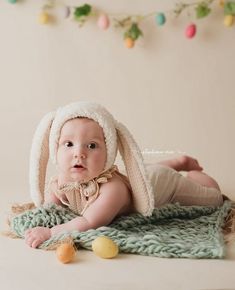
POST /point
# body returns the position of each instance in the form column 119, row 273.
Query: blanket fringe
column 20, row 208
column 55, row 244
column 10, row 234
column 15, row 210
column 229, row 226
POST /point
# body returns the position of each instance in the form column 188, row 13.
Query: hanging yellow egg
column 228, row 20
column 104, row 247
column 43, row 17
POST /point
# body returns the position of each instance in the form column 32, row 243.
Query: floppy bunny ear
column 143, row 197
column 39, row 156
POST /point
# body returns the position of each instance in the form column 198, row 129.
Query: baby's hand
column 35, row 236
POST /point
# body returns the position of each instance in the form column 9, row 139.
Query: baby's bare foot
column 188, row 163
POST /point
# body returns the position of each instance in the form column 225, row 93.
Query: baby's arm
column 113, row 197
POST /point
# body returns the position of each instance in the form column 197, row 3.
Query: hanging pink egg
column 103, row 21
column 190, row 31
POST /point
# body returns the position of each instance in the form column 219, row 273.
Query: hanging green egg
column 160, row 19
column 12, row 1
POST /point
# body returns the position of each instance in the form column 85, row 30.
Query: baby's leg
column 182, row 163
column 197, row 189
column 170, row 186
column 203, row 179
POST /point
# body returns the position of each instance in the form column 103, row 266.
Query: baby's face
column 81, row 153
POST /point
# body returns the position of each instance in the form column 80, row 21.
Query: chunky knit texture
column 171, row 231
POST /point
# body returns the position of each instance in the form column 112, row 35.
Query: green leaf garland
column 229, row 8
column 202, row 10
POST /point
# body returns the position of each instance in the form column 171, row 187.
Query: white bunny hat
column 117, row 137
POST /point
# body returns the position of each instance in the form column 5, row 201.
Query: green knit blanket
column 171, row 231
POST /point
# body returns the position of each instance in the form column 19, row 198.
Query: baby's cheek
column 100, row 159
column 62, row 158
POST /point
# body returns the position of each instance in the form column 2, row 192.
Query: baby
column 84, row 138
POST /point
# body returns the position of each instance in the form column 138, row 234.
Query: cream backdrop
column 175, row 95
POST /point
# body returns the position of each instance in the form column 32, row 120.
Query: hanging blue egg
column 160, row 18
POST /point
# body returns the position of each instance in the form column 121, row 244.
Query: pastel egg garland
column 130, row 24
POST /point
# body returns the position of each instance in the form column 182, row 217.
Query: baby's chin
column 83, row 177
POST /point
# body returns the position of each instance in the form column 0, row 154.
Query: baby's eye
column 92, row 145
column 68, row 144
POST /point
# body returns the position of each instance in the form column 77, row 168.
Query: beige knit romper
column 170, row 186
column 79, row 195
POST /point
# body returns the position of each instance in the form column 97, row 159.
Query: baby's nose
column 79, row 152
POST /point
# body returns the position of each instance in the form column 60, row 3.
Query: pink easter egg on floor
column 190, row 31
column 103, row 21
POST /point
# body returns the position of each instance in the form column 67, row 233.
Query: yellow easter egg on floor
column 228, row 20
column 65, row 253
column 104, row 247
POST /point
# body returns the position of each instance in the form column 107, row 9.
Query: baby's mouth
column 78, row 166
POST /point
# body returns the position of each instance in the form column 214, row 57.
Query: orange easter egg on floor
column 65, row 253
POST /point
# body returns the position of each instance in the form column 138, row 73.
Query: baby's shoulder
column 117, row 191
column 115, row 185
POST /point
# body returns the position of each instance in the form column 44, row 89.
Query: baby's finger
column 36, row 243
column 29, row 241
